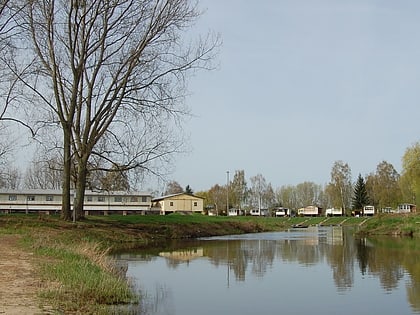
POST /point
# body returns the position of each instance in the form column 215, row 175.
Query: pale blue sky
column 301, row 84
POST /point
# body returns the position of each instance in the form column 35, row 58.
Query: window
column 195, row 203
column 171, row 203
column 118, row 199
column 133, row 199
column 30, row 198
column 49, row 198
column 101, row 198
column 143, row 199
column 89, row 198
column 12, row 197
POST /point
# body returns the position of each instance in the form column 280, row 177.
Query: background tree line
column 382, row 188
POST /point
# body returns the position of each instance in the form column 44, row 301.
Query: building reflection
column 177, row 257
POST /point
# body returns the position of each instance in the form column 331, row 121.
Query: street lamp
column 227, row 193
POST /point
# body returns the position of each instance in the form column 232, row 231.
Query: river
column 315, row 270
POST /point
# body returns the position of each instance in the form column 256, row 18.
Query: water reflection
column 293, row 263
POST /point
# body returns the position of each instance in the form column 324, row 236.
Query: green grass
column 82, row 282
column 393, row 224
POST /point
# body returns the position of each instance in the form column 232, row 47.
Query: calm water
column 318, row 270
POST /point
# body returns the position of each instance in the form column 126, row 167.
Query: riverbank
column 71, row 265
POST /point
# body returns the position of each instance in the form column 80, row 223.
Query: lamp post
column 227, row 193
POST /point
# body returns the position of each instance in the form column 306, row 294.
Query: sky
column 301, row 84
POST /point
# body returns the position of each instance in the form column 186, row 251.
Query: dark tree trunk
column 66, row 205
column 80, row 188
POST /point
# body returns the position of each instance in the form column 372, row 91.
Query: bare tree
column 258, row 190
column 112, row 75
column 115, row 180
column 308, row 193
column 217, row 198
column 44, row 174
column 340, row 187
column 287, row 197
column 173, row 187
column 238, row 189
column 10, row 178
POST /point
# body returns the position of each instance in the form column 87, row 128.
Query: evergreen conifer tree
column 188, row 190
column 360, row 196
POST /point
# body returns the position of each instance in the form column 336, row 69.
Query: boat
column 300, row 226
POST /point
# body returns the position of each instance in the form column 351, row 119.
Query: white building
column 49, row 201
column 406, row 208
column 333, row 212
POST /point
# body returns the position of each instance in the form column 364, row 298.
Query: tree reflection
column 388, row 260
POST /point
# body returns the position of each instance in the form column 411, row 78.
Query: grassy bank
column 73, row 260
column 392, row 224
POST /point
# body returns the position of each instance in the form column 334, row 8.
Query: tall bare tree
column 112, row 75
column 258, row 191
column 340, row 187
column 238, row 189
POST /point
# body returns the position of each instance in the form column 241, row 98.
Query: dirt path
column 18, row 282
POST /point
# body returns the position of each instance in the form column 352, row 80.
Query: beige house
column 310, row 211
column 178, row 203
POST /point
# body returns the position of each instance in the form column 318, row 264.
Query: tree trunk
column 66, row 205
column 80, row 188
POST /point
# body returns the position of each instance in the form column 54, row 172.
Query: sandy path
column 18, row 282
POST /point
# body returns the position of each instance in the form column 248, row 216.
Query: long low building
column 95, row 203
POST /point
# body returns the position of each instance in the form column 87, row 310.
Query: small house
column 333, row 212
column 406, row 208
column 368, row 210
column 259, row 212
column 281, row 212
column 182, row 202
column 310, row 211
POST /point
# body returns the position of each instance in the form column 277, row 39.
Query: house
column 281, row 212
column 181, row 202
column 333, row 212
column 310, row 211
column 233, row 212
column 259, row 212
column 406, row 208
column 368, row 210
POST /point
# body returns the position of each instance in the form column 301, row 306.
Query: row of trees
column 99, row 84
column 383, row 188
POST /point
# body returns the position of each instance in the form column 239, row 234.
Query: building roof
column 175, row 195
column 59, row 192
